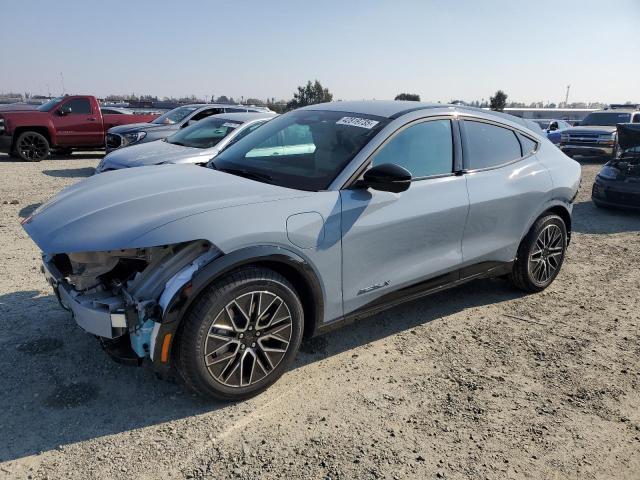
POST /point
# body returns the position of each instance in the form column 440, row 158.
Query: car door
column 389, row 240
column 77, row 124
column 506, row 185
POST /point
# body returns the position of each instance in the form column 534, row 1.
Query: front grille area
column 113, row 140
column 583, row 139
column 624, row 198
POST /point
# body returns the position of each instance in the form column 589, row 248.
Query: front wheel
column 241, row 335
column 540, row 254
column 31, row 147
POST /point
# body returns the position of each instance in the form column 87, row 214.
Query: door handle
column 91, row 119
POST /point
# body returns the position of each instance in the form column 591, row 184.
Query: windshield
column 602, row 119
column 304, row 149
column 48, row 106
column 204, row 134
column 174, row 116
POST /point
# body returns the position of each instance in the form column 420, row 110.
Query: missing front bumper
column 99, row 313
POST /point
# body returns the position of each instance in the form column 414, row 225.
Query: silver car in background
column 195, row 144
column 322, row 216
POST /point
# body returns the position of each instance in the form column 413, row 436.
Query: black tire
column 31, row 147
column 250, row 286
column 531, row 268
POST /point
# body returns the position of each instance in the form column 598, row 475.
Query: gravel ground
column 479, row 382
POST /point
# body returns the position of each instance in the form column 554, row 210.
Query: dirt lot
column 478, row 382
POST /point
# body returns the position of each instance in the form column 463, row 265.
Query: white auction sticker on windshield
column 229, row 124
column 357, row 122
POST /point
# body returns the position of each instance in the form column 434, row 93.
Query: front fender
column 180, row 303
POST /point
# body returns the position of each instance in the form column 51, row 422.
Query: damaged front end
column 120, row 295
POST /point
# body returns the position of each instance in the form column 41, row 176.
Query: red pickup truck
column 59, row 125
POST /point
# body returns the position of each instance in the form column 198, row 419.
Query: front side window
column 304, row 149
column 50, row 105
column 205, row 134
column 206, row 113
column 424, row 149
column 636, row 118
column 77, row 105
column 488, row 145
column 174, row 116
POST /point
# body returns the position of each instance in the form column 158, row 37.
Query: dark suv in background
column 596, row 134
column 169, row 123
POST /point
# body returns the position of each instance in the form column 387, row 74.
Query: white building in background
column 568, row 114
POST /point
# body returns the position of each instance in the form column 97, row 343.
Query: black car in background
column 618, row 182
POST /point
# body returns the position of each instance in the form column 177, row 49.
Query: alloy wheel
column 248, row 338
column 546, row 256
column 33, row 147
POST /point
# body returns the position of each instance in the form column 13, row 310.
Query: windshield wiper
column 241, row 172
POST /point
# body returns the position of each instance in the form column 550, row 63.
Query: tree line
column 314, row 92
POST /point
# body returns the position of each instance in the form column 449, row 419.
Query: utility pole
column 566, row 97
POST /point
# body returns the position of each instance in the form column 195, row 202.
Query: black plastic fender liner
column 179, row 305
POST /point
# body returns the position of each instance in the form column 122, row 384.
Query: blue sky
column 442, row 50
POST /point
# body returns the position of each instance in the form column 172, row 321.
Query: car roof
column 380, row 108
column 396, row 108
column 618, row 110
column 245, row 116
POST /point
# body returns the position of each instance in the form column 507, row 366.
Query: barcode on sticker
column 357, row 122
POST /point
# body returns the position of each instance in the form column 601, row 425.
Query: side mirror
column 189, row 123
column 387, row 177
column 64, row 110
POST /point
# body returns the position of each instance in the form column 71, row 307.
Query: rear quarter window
column 487, row 145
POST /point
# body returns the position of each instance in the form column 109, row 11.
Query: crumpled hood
column 154, row 153
column 110, row 211
column 590, row 129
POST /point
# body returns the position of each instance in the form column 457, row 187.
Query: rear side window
column 78, row 105
column 424, row 149
column 528, row 145
column 488, row 145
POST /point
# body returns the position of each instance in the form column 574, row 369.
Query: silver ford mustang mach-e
column 324, row 215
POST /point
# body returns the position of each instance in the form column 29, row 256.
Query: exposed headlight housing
column 608, row 172
column 130, row 138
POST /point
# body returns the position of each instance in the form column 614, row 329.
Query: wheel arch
column 44, row 131
column 556, row 207
column 287, row 263
column 563, row 212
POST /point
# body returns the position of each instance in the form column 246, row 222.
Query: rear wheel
column 541, row 254
column 241, row 335
column 31, row 147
